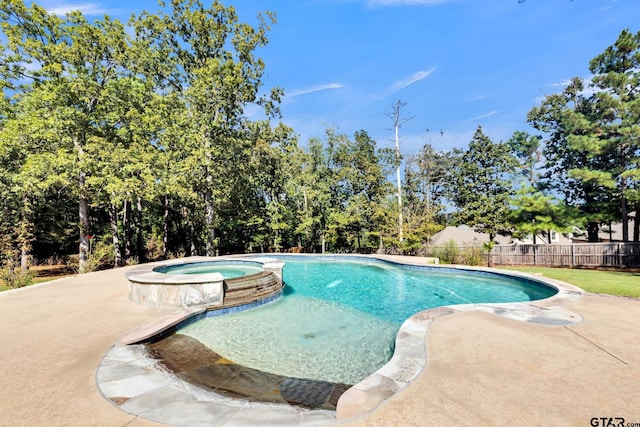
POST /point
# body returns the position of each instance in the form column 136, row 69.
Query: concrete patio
column 481, row 369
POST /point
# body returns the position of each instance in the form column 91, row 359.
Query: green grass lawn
column 3, row 287
column 44, row 274
column 598, row 282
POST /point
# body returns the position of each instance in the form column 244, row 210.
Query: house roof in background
column 465, row 235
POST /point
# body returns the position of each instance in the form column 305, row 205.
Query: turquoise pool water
column 228, row 269
column 339, row 318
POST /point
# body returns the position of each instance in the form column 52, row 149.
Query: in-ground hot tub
column 205, row 282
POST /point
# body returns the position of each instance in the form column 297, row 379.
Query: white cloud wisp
column 90, row 9
column 314, row 89
column 404, row 2
column 484, row 116
column 420, row 75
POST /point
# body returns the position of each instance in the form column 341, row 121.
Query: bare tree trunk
column 140, row 246
column 592, row 232
column 85, row 226
column 117, row 250
column 210, row 233
column 165, row 227
column 83, row 211
column 25, row 235
column 210, row 247
column 395, row 116
column 24, row 259
column 192, row 243
column 126, row 225
column 636, row 224
column 610, row 231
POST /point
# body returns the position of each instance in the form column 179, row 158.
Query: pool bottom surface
column 193, row 362
column 316, row 339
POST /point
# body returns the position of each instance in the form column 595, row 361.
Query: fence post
column 573, row 255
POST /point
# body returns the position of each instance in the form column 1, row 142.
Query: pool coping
column 138, row 385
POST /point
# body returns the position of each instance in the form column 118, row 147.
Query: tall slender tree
column 484, row 186
column 617, row 130
column 396, row 117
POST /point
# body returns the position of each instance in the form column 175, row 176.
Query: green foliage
column 472, row 255
column 427, row 177
column 340, row 193
column 488, row 247
column 204, row 59
column 100, row 256
column 449, row 253
column 124, row 122
column 593, row 145
column 15, row 278
column 142, row 138
column 527, row 149
column 483, row 185
column 154, row 246
column 533, row 213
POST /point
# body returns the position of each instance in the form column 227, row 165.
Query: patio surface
column 481, row 369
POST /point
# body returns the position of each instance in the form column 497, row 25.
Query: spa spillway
column 205, row 282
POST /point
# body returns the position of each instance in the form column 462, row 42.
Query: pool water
column 338, row 319
column 228, row 269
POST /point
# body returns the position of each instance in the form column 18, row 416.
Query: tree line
column 132, row 142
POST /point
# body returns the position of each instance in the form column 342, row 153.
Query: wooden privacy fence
column 576, row 255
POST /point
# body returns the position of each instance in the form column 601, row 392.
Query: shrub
column 471, row 255
column 155, row 248
column 15, row 278
column 100, row 256
column 449, row 253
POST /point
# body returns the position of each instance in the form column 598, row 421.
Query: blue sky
column 456, row 63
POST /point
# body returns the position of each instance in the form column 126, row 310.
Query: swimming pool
column 339, row 316
column 185, row 377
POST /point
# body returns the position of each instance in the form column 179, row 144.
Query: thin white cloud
column 404, row 2
column 563, row 83
column 589, row 88
column 90, row 9
column 313, row 89
column 478, row 98
column 484, row 116
column 420, row 75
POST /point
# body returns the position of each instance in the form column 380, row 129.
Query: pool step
column 248, row 289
